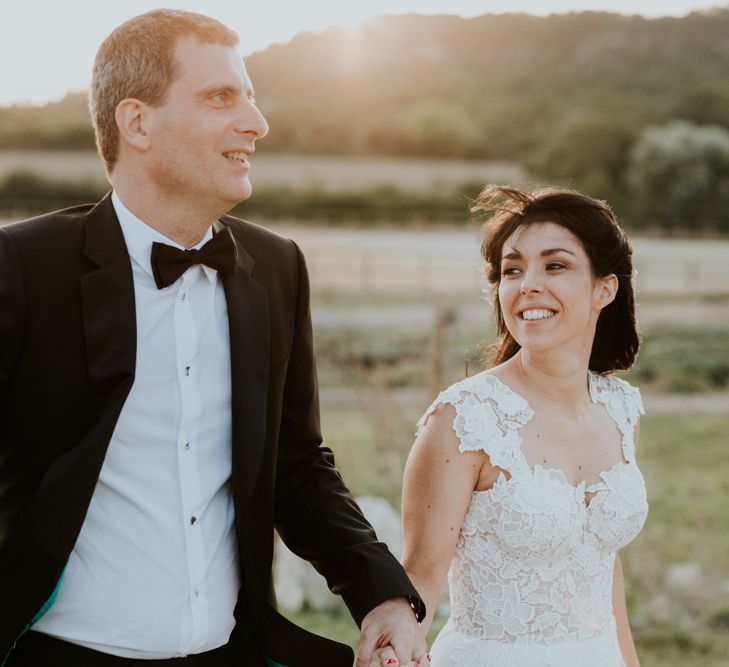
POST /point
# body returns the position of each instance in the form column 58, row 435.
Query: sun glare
column 351, row 47
column 65, row 35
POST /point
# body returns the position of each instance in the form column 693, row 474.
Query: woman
column 523, row 478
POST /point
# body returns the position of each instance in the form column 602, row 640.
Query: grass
column 322, row 173
column 331, row 297
column 677, row 359
column 683, row 359
column 685, row 463
column 57, row 165
column 318, row 190
column 338, row 298
column 396, row 358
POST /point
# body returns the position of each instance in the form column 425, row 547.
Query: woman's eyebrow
column 554, row 251
column 515, row 254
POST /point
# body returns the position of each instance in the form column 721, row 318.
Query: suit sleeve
column 316, row 514
column 12, row 326
column 12, row 308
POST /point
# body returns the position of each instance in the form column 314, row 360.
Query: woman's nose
column 530, row 284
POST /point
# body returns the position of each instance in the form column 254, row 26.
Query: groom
column 158, row 398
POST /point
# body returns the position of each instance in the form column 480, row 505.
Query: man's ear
column 131, row 119
column 606, row 289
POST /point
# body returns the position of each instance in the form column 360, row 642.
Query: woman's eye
column 553, row 266
column 510, row 271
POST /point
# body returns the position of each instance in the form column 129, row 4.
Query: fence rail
column 372, row 260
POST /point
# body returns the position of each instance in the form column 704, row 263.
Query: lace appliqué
column 533, row 562
column 488, row 418
column 623, row 403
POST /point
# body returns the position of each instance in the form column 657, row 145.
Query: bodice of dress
column 534, row 561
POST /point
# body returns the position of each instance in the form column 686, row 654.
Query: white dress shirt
column 154, row 573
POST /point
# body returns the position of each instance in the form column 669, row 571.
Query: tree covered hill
column 495, row 86
column 632, row 110
column 490, row 87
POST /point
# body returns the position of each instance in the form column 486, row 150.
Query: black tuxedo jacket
column 67, row 360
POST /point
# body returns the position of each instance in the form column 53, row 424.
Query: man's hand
column 391, row 636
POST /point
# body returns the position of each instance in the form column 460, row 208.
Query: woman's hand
column 390, row 632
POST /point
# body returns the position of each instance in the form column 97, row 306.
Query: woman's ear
column 605, row 290
column 131, row 117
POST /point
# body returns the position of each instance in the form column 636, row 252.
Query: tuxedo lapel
column 55, row 516
column 107, row 294
column 248, row 321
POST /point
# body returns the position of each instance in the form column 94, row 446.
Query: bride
column 522, row 483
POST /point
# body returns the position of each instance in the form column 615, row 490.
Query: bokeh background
column 383, row 128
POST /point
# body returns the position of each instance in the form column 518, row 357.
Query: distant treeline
column 629, row 109
column 23, row 194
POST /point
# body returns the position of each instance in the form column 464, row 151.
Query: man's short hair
column 137, row 60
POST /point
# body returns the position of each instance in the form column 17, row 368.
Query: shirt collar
column 139, row 236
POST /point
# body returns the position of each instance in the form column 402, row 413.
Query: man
column 158, row 397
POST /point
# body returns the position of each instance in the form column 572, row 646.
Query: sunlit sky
column 47, row 47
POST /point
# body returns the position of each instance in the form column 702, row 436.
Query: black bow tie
column 169, row 263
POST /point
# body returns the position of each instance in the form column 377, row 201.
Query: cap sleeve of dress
column 624, row 404
column 488, row 416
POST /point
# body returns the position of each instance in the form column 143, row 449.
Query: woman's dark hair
column 593, row 223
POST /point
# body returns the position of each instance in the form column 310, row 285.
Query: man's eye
column 220, row 98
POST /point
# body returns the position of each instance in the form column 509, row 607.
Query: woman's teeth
column 537, row 314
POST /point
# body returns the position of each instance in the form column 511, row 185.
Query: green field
column 685, row 461
column 314, row 190
column 328, row 173
column 673, row 359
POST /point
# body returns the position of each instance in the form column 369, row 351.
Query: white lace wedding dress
column 531, row 579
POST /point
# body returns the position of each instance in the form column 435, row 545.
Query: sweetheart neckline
column 582, row 483
column 529, row 411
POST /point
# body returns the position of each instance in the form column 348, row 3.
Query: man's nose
column 251, row 121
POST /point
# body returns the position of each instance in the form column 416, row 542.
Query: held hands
column 391, row 637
